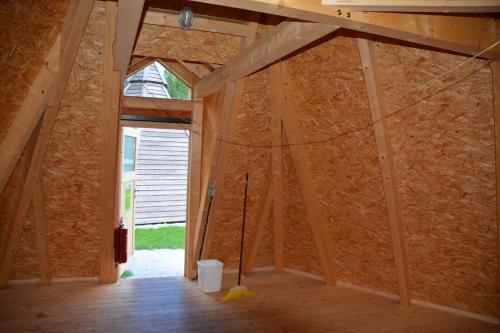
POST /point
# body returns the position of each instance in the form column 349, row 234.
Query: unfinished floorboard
column 177, row 305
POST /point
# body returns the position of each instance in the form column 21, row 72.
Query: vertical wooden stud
column 194, row 183
column 495, row 69
column 277, row 96
column 109, row 155
column 315, row 213
column 263, row 210
column 41, row 232
column 383, row 140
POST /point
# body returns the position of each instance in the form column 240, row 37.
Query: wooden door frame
column 189, row 203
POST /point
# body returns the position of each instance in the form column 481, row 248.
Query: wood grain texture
column 41, row 232
column 253, row 128
column 329, row 94
column 177, row 305
column 72, row 162
column 166, row 42
column 55, row 95
column 443, row 145
column 277, row 106
column 110, row 175
column 386, row 159
column 495, row 71
column 28, row 29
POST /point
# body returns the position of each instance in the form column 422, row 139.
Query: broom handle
column 243, row 227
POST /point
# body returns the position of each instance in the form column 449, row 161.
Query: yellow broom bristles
column 237, row 292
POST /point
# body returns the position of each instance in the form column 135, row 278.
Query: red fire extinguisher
column 121, row 243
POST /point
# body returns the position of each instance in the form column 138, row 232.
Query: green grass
column 160, row 238
column 126, row 274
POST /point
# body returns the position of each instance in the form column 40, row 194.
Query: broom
column 240, row 290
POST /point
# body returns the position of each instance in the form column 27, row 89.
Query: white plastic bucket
column 210, row 275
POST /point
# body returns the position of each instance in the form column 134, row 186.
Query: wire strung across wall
column 368, row 125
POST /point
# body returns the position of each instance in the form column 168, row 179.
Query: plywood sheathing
column 28, row 29
column 71, row 166
column 253, row 128
column 300, row 252
column 329, row 94
column 445, row 164
column 191, row 45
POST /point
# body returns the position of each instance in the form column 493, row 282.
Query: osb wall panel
column 444, row 153
column 328, row 90
column 28, row 29
column 8, row 201
column 71, row 167
column 300, row 251
column 192, row 45
column 253, row 128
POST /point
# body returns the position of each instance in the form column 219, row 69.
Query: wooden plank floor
column 284, row 303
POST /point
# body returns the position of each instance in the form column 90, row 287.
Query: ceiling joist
column 469, row 35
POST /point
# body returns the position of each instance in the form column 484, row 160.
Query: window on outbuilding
column 156, row 81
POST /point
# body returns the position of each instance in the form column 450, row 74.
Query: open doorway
column 153, row 200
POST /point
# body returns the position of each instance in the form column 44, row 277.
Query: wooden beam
column 75, row 35
column 194, row 184
column 155, row 124
column 41, row 232
column 277, row 103
column 495, row 70
column 468, row 35
column 286, row 38
column 197, row 68
column 182, row 72
column 222, row 105
column 127, row 25
column 157, row 107
column 29, row 115
column 222, row 156
column 415, row 6
column 170, row 18
column 263, row 210
column 315, row 212
column 18, row 191
column 112, row 90
column 138, row 65
column 386, row 160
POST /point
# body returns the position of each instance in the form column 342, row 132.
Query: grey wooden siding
column 148, row 82
column 162, row 168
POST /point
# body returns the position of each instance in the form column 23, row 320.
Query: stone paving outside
column 157, row 263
